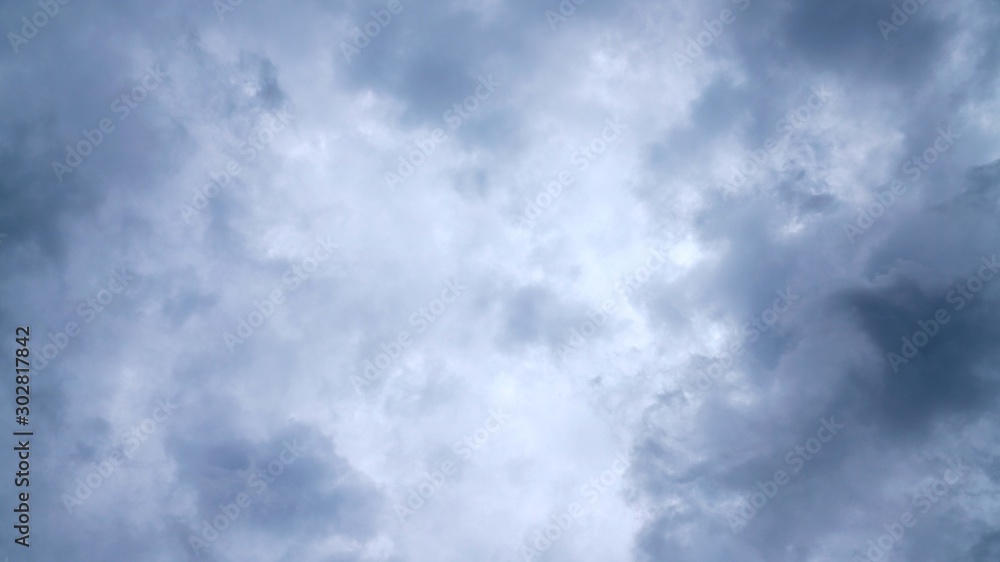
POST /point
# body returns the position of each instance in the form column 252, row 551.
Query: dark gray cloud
column 293, row 352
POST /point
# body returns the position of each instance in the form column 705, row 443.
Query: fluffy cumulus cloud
column 502, row 281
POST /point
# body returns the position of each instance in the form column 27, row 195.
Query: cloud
column 587, row 193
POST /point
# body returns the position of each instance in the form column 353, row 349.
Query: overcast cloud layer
column 492, row 281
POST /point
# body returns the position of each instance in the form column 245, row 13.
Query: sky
column 577, row 280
